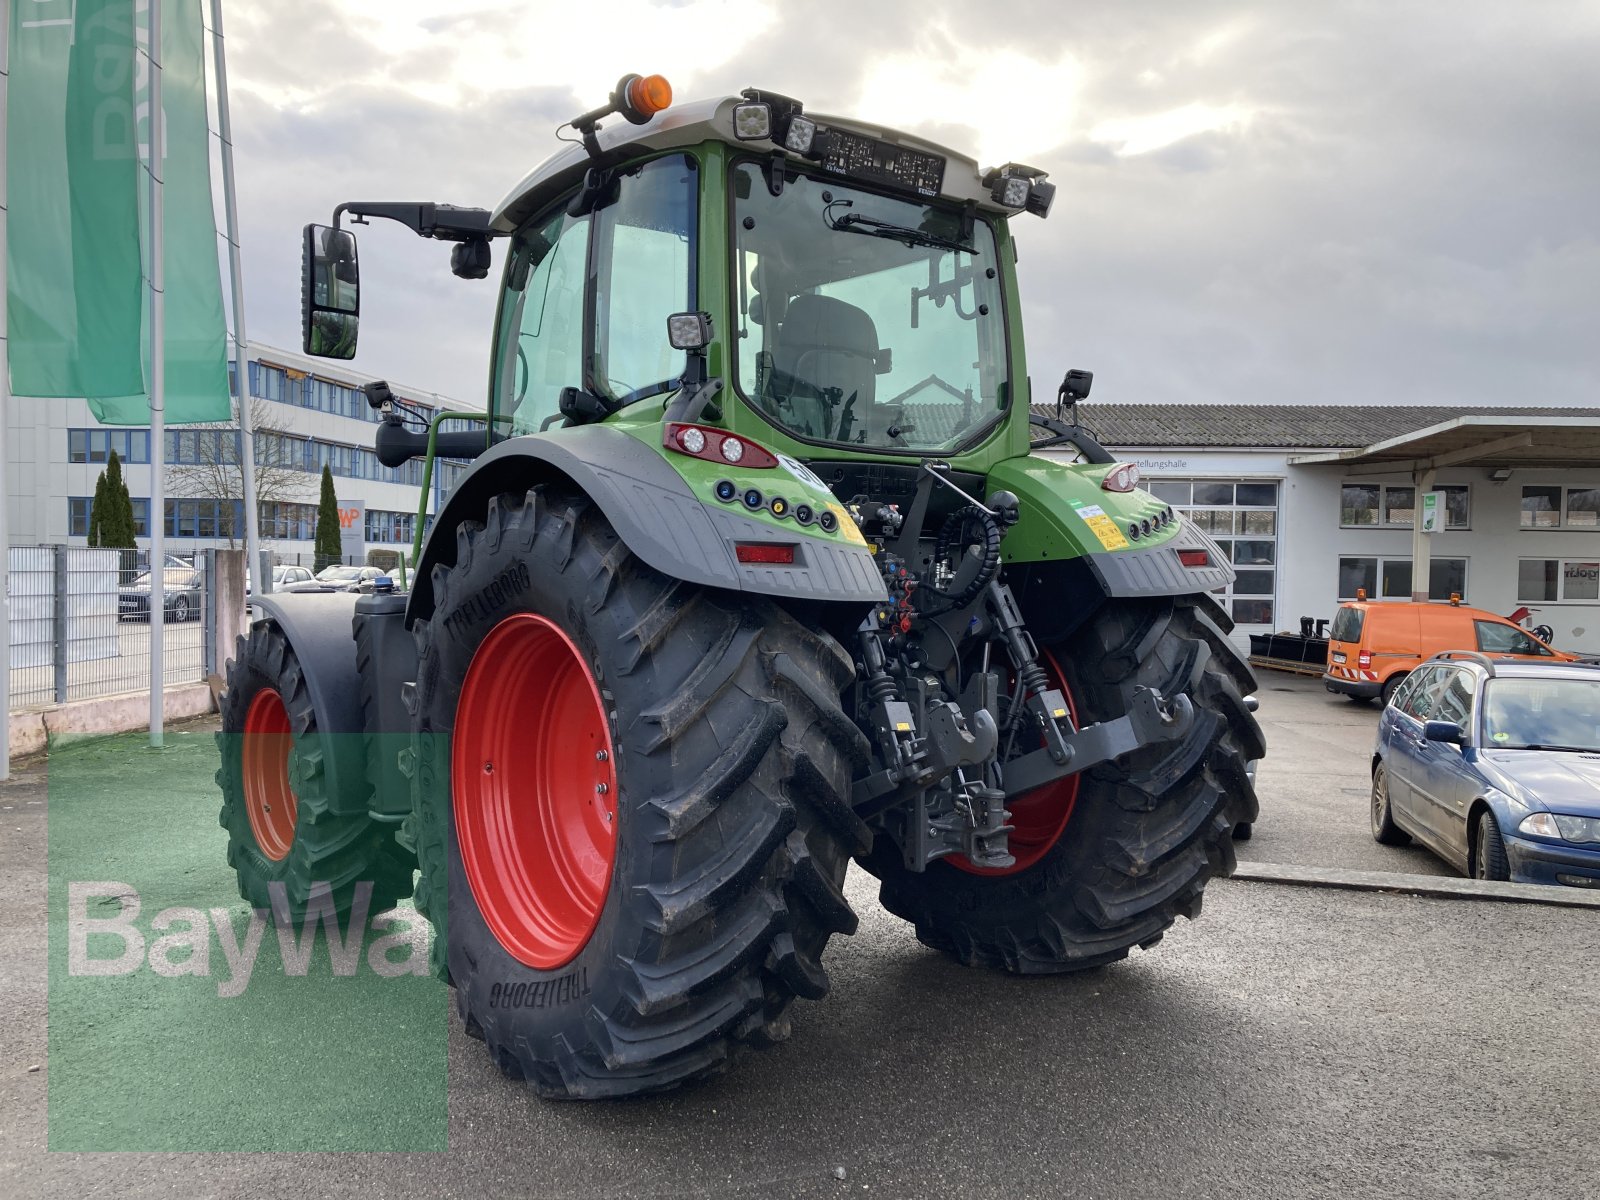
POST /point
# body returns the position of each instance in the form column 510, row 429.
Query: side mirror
column 1443, row 731
column 330, row 293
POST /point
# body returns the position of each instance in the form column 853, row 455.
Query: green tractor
column 753, row 573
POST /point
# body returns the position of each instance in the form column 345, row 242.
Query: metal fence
column 80, row 622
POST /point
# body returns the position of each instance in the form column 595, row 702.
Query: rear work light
column 773, row 553
column 716, row 445
column 1123, row 477
column 1195, row 558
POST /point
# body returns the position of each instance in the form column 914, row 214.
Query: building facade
column 1313, row 504
column 308, row 413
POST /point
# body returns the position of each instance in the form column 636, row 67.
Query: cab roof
column 700, row 121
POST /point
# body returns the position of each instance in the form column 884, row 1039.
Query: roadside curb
column 1438, row 887
column 33, row 729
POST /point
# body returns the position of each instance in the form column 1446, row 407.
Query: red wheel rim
column 1038, row 816
column 268, row 800
column 534, row 783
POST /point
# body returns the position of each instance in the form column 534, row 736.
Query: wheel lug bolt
column 601, row 756
column 601, row 788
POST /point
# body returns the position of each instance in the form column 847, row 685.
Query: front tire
column 275, row 801
column 728, row 764
column 1489, row 850
column 1143, row 835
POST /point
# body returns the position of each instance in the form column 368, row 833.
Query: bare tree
column 216, row 472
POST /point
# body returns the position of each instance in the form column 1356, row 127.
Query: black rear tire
column 343, row 851
column 1391, row 685
column 733, row 763
column 1145, row 834
column 1384, row 830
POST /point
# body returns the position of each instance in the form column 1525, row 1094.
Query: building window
column 1394, row 505
column 78, row 516
column 1550, row 506
column 1554, row 580
column 1243, row 518
column 1390, row 578
column 95, row 445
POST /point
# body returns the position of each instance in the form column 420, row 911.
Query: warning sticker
column 1103, row 527
column 847, row 526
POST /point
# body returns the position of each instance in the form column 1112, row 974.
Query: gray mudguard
column 318, row 628
column 655, row 514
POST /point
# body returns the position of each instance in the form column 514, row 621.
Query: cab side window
column 542, row 315
column 1495, row 638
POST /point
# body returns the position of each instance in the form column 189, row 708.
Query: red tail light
column 717, row 445
column 774, row 553
column 1195, row 558
column 1364, row 659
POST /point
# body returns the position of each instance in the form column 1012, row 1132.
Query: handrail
column 427, row 470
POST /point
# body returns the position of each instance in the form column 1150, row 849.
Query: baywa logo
column 178, row 940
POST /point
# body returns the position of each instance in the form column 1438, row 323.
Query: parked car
column 1373, row 647
column 182, row 585
column 282, row 577
column 1495, row 767
column 340, row 578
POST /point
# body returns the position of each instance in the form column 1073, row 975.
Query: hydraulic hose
column 953, row 535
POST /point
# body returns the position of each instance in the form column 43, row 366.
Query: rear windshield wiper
column 873, row 227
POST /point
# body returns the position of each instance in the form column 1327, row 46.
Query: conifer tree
column 327, row 548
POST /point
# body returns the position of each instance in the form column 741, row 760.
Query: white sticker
column 1091, row 510
column 801, row 472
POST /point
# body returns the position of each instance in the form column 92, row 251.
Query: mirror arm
column 443, row 222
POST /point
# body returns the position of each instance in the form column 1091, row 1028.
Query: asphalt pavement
column 1291, row 1042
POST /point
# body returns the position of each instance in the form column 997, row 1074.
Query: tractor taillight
column 716, row 445
column 1195, row 558
column 1123, row 477
column 772, row 553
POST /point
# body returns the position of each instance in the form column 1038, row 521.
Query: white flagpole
column 5, row 412
column 158, row 372
column 247, row 451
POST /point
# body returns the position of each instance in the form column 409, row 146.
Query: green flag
column 75, row 286
column 91, row 171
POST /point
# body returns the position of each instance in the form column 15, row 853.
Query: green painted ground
column 153, row 1059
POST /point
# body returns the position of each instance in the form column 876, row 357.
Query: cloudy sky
column 1373, row 201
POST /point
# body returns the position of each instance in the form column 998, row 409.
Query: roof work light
column 1022, row 188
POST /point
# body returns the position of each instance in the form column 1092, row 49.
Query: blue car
column 1494, row 765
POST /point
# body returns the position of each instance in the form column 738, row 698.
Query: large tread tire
column 734, row 763
column 339, row 850
column 1145, row 834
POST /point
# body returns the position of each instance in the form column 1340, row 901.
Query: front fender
column 655, row 513
column 1067, row 517
column 319, row 628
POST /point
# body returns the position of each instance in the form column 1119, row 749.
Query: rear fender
column 654, row 512
column 318, row 627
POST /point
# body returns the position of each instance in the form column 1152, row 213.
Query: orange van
column 1373, row 646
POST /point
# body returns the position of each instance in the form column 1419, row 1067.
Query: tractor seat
column 824, row 362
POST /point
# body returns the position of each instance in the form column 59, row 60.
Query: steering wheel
column 1544, row 633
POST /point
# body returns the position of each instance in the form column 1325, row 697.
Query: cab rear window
column 1347, row 624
